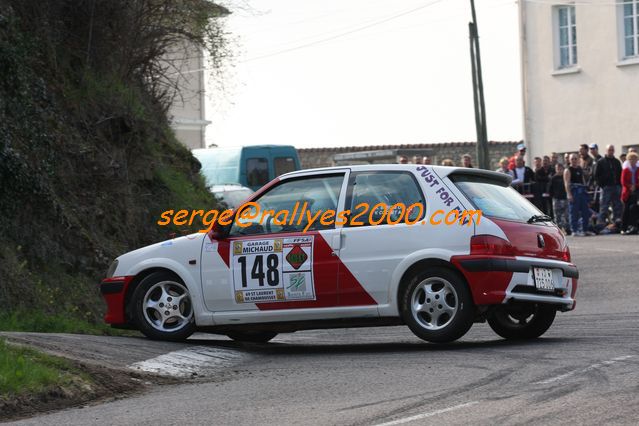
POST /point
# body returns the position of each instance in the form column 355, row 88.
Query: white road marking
column 429, row 414
column 189, row 362
column 583, row 370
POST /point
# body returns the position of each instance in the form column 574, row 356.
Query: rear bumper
column 113, row 291
column 496, row 280
column 518, row 265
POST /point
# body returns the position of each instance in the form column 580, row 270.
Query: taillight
column 565, row 256
column 488, row 244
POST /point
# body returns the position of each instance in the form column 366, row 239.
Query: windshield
column 494, row 199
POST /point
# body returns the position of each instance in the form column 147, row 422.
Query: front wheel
column 162, row 307
column 523, row 321
column 437, row 306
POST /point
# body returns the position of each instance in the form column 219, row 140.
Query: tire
column 522, row 321
column 422, row 309
column 252, row 336
column 156, row 295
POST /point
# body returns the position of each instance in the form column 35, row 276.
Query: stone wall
column 323, row 157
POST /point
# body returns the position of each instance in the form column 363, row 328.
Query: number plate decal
column 273, row 270
column 543, row 279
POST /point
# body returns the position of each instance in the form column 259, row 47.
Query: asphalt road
column 585, row 370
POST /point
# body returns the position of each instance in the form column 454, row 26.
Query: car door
column 370, row 254
column 275, row 260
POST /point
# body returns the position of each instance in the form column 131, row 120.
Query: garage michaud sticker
column 274, row 270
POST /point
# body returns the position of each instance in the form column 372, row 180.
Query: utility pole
column 478, row 93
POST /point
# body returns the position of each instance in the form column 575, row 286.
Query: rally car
column 510, row 267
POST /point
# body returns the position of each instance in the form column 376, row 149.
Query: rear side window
column 494, row 198
column 382, row 193
column 283, row 165
column 257, row 171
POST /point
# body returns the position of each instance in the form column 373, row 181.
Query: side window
column 382, row 197
column 257, row 171
column 283, row 165
column 286, row 207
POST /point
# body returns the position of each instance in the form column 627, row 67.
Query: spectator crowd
column 585, row 193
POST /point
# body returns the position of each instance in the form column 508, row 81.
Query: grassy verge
column 24, row 370
column 39, row 322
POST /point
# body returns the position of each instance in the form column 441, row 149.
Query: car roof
column 441, row 171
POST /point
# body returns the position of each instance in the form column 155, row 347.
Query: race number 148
column 272, row 275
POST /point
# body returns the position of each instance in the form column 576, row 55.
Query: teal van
column 251, row 166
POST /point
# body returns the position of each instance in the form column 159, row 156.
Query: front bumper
column 114, row 293
column 496, row 280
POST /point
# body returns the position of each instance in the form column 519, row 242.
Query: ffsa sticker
column 273, row 270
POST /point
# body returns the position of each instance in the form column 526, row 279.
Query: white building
column 188, row 112
column 580, row 73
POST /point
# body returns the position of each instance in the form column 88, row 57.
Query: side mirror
column 219, row 232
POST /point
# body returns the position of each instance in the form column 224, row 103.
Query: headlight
column 112, row 268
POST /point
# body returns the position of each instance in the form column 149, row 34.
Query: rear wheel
column 162, row 307
column 522, row 321
column 437, row 306
column 252, row 336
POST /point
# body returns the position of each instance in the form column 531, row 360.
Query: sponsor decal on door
column 273, row 270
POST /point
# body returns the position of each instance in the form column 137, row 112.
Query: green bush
column 88, row 160
column 24, row 370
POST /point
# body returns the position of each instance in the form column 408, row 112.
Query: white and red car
column 511, row 267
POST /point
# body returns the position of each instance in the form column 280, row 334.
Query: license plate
column 543, row 279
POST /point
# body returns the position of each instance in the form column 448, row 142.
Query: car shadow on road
column 309, row 348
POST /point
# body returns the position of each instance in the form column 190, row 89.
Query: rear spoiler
column 499, row 178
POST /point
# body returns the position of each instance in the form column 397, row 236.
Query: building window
column 566, row 36
column 630, row 33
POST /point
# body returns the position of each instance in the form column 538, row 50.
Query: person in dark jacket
column 548, row 165
column 594, row 152
column 542, row 179
column 608, row 178
column 557, row 192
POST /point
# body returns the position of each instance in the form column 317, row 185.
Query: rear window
column 494, row 198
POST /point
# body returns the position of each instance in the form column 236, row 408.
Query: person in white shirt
column 521, row 174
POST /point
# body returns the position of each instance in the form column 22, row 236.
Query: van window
column 284, row 165
column 257, row 171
